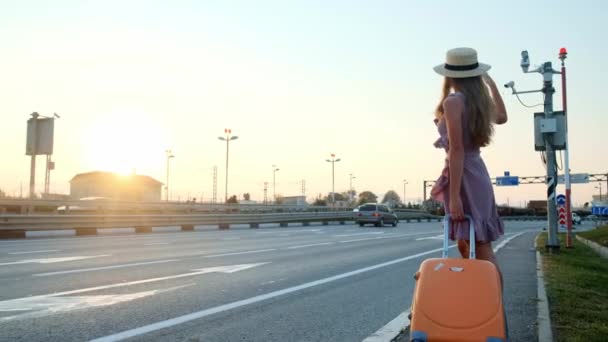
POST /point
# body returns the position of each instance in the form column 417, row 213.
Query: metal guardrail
column 25, row 206
column 52, row 222
column 524, row 218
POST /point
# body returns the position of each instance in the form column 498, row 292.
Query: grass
column 577, row 287
column 599, row 235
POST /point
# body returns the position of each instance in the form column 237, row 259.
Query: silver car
column 376, row 214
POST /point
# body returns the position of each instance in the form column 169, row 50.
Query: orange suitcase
column 457, row 299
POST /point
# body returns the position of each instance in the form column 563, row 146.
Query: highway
column 313, row 283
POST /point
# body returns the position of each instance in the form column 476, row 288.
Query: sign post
column 40, row 133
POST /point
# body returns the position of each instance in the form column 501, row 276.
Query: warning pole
column 563, row 53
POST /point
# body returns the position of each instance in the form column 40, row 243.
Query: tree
column 337, row 197
column 232, row 200
column 391, row 196
column 367, row 197
column 246, row 197
column 320, row 202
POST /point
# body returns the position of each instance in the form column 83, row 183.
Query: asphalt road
column 315, row 283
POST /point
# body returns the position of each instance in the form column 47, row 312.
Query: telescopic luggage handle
column 446, row 227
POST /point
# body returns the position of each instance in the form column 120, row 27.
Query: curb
column 392, row 330
column 545, row 331
column 601, row 250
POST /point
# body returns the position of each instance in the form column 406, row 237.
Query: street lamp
column 333, row 160
column 599, row 187
column 169, row 157
column 227, row 139
column 352, row 195
column 404, row 184
column 274, row 171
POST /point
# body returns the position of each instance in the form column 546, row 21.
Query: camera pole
column 548, row 130
column 552, row 244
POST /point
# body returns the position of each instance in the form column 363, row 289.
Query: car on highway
column 88, row 205
column 376, row 214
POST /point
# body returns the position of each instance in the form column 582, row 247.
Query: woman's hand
column 500, row 117
column 456, row 211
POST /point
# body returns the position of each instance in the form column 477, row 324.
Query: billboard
column 42, row 136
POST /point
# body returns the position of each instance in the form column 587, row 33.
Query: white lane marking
column 357, row 234
column 222, row 269
column 357, row 240
column 388, row 236
column 52, row 260
column 156, row 243
column 34, row 252
column 436, row 237
column 39, row 307
column 232, row 238
column 311, row 245
column 80, row 270
column 392, row 329
column 238, row 253
column 207, row 312
column 506, row 241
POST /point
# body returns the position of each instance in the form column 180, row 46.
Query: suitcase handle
column 446, row 227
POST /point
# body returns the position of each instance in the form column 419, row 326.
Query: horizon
column 295, row 82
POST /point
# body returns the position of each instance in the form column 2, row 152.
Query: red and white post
column 563, row 53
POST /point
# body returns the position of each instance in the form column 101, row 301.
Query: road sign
column 562, row 216
column 507, row 181
column 599, row 210
column 560, row 200
column 574, row 178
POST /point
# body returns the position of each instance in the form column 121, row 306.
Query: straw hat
column 461, row 63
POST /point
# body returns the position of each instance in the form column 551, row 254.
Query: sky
column 295, row 81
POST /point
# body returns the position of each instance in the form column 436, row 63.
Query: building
column 538, row 207
column 109, row 185
column 294, row 200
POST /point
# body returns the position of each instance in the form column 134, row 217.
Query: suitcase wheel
column 418, row 336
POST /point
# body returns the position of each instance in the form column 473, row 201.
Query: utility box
column 555, row 127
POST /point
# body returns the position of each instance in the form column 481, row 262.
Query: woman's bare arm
column 500, row 116
column 453, row 108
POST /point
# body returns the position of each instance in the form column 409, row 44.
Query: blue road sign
column 507, row 181
column 560, row 200
column 599, row 210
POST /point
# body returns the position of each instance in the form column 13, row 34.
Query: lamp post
column 333, row 160
column 227, row 139
column 352, row 195
column 274, row 171
column 599, row 187
column 169, row 157
column 404, row 184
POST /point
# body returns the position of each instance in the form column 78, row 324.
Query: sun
column 124, row 142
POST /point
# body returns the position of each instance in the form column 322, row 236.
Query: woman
column 470, row 105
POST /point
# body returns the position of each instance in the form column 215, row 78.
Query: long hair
column 479, row 106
